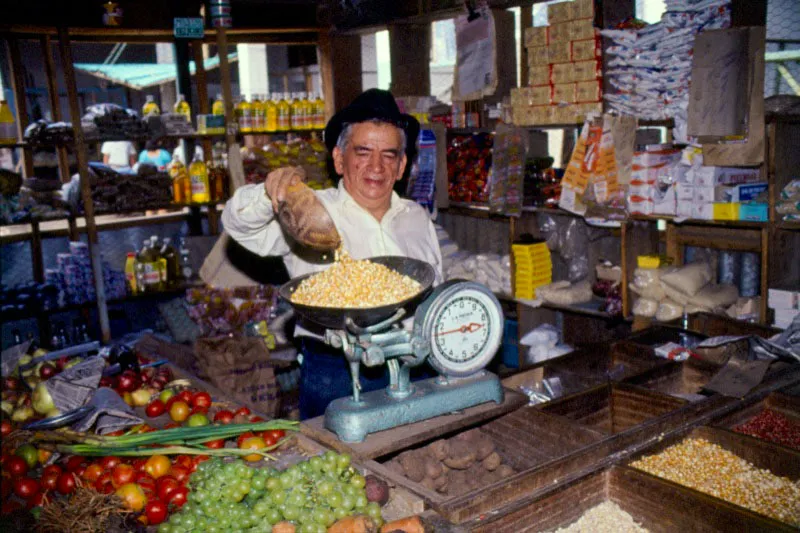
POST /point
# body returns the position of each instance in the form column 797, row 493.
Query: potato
column 491, row 462
column 395, row 466
column 484, row 448
column 428, row 483
column 440, row 482
column 471, row 435
column 462, row 455
column 505, row 471
column 433, row 468
column 440, row 449
column 412, row 465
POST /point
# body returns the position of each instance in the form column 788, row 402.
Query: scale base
column 377, row 411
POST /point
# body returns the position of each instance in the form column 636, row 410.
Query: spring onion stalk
column 85, row 450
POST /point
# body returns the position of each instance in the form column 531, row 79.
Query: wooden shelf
column 746, row 224
column 792, row 225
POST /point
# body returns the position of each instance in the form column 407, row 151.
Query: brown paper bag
column 240, row 367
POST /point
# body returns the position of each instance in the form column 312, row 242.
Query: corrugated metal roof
column 142, row 75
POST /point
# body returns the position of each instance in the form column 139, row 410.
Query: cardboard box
column 684, row 209
column 664, row 200
column 583, row 9
column 586, row 70
column 536, row 36
column 684, row 192
column 744, row 192
column 559, row 52
column 754, row 211
column 561, row 73
column 713, row 176
column 783, row 298
column 560, row 12
column 726, row 211
column 564, row 93
column 538, row 55
column 785, row 317
column 586, row 49
column 538, row 75
column 704, row 195
column 702, row 211
column 582, row 29
column 583, row 110
column 640, row 205
column 558, row 32
column 589, row 91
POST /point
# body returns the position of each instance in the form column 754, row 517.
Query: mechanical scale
column 457, row 328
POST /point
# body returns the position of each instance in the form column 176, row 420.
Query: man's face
column 370, row 165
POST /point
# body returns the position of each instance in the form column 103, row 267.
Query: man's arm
column 249, row 219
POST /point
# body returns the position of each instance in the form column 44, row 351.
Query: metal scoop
column 304, row 217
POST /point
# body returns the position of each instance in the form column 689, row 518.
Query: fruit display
column 469, row 159
column 310, row 155
column 223, row 311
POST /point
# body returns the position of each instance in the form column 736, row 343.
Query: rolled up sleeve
column 248, row 218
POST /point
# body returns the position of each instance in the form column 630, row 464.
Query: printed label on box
column 562, row 73
column 582, row 29
column 585, row 70
column 583, row 9
column 540, row 95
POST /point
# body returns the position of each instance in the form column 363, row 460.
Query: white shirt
column 119, row 153
column 405, row 230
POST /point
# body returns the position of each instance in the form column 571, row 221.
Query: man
column 371, row 143
column 118, row 154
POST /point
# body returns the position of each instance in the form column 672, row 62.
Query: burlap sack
column 240, row 368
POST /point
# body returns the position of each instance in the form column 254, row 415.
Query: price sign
column 188, row 28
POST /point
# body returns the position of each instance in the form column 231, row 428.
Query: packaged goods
column 588, row 91
column 586, row 70
column 668, row 310
column 713, row 297
column 558, row 32
column 182, row 108
column 586, row 49
column 645, row 307
column 469, row 159
column 580, row 30
column 150, row 106
column 538, row 56
column 560, row 12
column 688, row 279
column 564, row 93
column 538, row 75
column 198, row 177
column 535, row 36
column 559, row 52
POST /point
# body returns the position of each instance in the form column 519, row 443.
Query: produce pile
column 224, row 311
column 32, row 198
column 310, row 155
column 48, row 133
column 115, row 192
column 454, row 466
column 110, row 121
column 772, row 426
column 469, row 159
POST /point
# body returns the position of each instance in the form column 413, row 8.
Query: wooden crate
column 684, row 379
column 787, row 405
column 624, row 359
column 656, row 505
column 613, row 408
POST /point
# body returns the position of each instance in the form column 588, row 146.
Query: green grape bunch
column 312, row 494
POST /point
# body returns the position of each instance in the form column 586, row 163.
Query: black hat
column 373, row 104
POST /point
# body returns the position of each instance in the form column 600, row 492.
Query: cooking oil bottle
column 308, row 111
column 198, row 175
column 182, row 108
column 8, row 131
column 284, row 113
column 244, row 115
column 296, row 107
column 130, row 271
column 259, row 113
column 319, row 112
column 148, row 268
column 218, row 107
column 150, row 107
column 181, row 186
column 271, row 108
column 172, row 264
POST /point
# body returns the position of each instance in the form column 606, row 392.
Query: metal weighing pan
column 334, row 317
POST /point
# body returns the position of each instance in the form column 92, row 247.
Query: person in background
column 118, row 154
column 155, row 155
column 371, row 143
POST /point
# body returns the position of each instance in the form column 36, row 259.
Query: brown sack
column 240, row 367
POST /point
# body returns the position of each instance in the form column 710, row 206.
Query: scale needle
column 469, row 328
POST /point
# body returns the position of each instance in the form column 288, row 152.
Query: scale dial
column 464, row 325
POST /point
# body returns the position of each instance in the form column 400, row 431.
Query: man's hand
column 278, row 181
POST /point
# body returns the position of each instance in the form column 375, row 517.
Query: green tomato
column 197, row 419
column 29, row 453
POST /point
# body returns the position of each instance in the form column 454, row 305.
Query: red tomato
column 243, row 411
column 37, row 500
column 16, row 466
column 165, row 487
column 269, row 440
column 52, row 469
column 147, row 483
column 201, row 399
column 92, row 472
column 155, row 511
column 49, row 481
column 178, row 497
column 215, row 444
column 108, row 463
column 104, row 483
column 185, row 396
column 254, row 419
column 184, row 460
column 181, row 474
column 132, row 495
column 223, row 417
column 200, row 409
column 66, row 483
column 243, row 436
column 172, row 425
column 25, row 487
column 122, row 474
column 75, row 462
column 6, row 428
column 155, row 408
column 276, row 434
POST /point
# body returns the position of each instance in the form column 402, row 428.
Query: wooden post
column 18, row 84
column 410, row 47
column 231, row 128
column 340, row 60
column 36, row 252
column 525, row 20
column 766, row 233
column 325, row 60
column 203, row 109
column 86, row 189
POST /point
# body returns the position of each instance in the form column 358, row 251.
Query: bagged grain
column 688, row 279
column 715, row 296
column 645, row 307
column 669, row 310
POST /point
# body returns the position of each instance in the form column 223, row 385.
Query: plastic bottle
column 182, row 108
column 271, row 114
column 130, row 271
column 148, row 276
column 244, row 115
column 319, row 112
column 259, row 114
column 8, row 131
column 198, row 175
column 297, row 112
column 172, row 265
column 150, row 106
column 284, row 113
column 308, row 111
column 160, row 263
column 181, row 188
column 218, row 107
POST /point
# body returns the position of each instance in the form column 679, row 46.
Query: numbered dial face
column 465, row 329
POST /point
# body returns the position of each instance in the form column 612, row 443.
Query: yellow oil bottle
column 218, row 107
column 284, row 113
column 259, row 113
column 150, row 106
column 8, row 131
column 198, row 175
column 308, row 111
column 271, row 108
column 319, row 112
column 296, row 107
column 244, row 114
column 182, row 108
column 181, row 186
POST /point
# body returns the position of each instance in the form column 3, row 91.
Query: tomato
column 49, row 481
column 197, row 460
column 138, row 464
column 185, row 396
column 179, row 411
column 104, row 483
column 181, row 474
column 196, row 420
column 200, row 410
column 277, row 434
column 25, row 487
column 108, row 463
column 122, row 475
column 184, row 460
column 37, row 500
column 155, row 511
column 254, row 419
column 132, row 495
column 6, row 428
column 215, row 444
column 44, row 455
column 269, row 441
column 252, row 443
column 52, row 469
column 157, row 466
column 147, row 483
column 172, row 425
column 116, row 433
column 75, row 462
column 223, row 417
column 201, row 399
column 243, row 411
column 166, row 486
column 155, row 408
column 16, row 466
column 66, row 483
column 178, row 497
column 243, row 436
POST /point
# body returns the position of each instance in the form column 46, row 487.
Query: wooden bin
column 778, row 460
column 788, row 406
column 624, row 359
column 656, row 505
column 677, row 379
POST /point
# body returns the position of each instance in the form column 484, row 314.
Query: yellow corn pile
column 355, row 283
